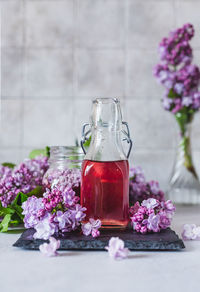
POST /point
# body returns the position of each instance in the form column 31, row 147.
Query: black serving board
column 164, row 240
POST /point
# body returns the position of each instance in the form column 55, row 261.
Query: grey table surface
column 23, row 270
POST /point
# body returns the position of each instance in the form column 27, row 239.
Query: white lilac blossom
column 151, row 215
column 56, row 212
column 50, row 249
column 91, row 227
column 191, row 232
column 23, row 178
column 116, row 249
column 140, row 190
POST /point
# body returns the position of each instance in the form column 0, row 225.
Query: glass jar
column 105, row 169
column 64, row 167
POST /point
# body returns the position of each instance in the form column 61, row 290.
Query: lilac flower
column 137, row 174
column 63, row 219
column 154, row 187
column 152, row 215
column 91, row 227
column 95, row 233
column 140, row 190
column 116, row 249
column 178, row 87
column 153, row 222
column 23, row 178
column 176, row 73
column 167, row 102
column 186, row 101
column 31, row 207
column 169, row 207
column 5, row 172
column 49, row 249
column 191, row 232
column 56, row 212
column 44, row 228
column 150, row 203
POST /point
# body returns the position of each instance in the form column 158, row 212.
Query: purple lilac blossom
column 151, row 215
column 191, row 232
column 91, row 227
column 31, row 209
column 176, row 73
column 23, row 178
column 50, row 249
column 150, row 203
column 140, row 190
column 116, row 249
column 56, row 212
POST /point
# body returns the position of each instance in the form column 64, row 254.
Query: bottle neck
column 105, row 145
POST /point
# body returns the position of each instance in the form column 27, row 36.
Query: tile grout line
column 23, row 79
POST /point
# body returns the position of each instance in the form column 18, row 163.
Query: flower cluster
column 176, row 73
column 57, row 212
column 152, row 215
column 176, row 49
column 140, row 190
column 23, row 178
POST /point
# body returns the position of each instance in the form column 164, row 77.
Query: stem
column 185, row 143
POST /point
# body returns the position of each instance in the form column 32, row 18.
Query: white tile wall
column 59, row 54
column 49, row 23
column 48, row 73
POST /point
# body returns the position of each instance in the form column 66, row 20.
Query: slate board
column 164, row 240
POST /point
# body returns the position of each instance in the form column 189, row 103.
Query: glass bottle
column 64, row 166
column 105, row 168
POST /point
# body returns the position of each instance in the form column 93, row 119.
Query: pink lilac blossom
column 91, row 227
column 176, row 73
column 50, row 249
column 191, row 232
column 140, row 190
column 56, row 212
column 151, row 215
column 116, row 249
column 23, row 178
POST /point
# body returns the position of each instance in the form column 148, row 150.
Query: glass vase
column 184, row 182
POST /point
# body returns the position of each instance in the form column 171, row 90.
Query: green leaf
column 38, row 191
column 5, row 211
column 20, row 198
column 87, row 142
column 5, row 223
column 172, row 94
column 36, row 152
column 9, row 164
column 47, row 151
column 17, row 203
